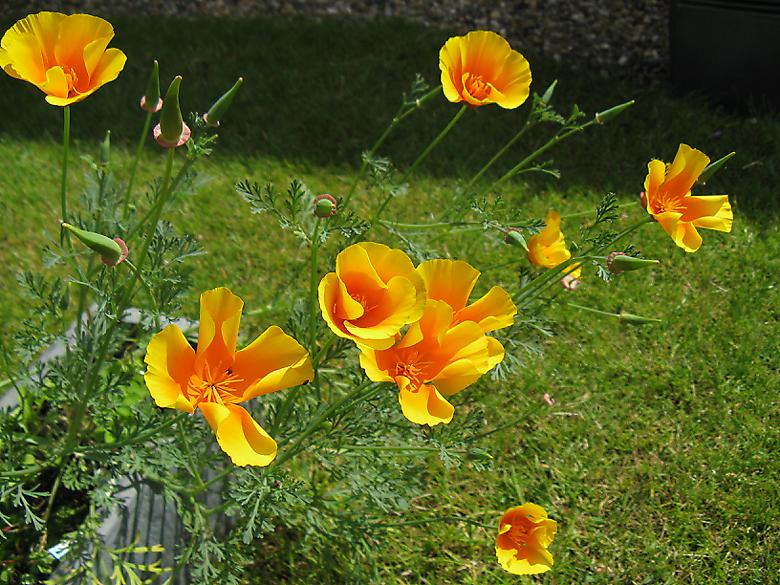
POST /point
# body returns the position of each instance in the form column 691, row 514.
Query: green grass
column 657, row 458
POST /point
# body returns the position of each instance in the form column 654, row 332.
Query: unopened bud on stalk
column 111, row 252
column 172, row 132
column 513, row 237
column 570, row 282
column 618, row 262
column 610, row 113
column 215, row 113
column 105, row 150
column 151, row 100
column 713, row 168
column 324, row 205
column 548, row 93
column 632, row 319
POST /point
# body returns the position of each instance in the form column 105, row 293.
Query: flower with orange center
column 524, row 533
column 668, row 199
column 452, row 281
column 216, row 378
column 481, row 68
column 435, row 358
column 548, row 248
column 64, row 56
column 374, row 292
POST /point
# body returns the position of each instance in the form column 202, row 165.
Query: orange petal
column 424, row 405
column 239, row 435
column 685, row 169
column 656, row 171
column 108, row 68
column 170, row 362
column 450, row 281
column 451, row 66
column 495, row 310
column 514, row 81
column 709, row 211
column 28, row 46
column 272, row 362
column 220, row 315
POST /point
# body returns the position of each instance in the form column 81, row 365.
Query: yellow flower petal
column 686, row 167
column 495, row 310
column 424, row 405
column 170, row 362
column 450, row 281
column 524, row 534
column 709, row 211
column 220, row 316
column 239, row 435
column 272, row 362
column 656, row 171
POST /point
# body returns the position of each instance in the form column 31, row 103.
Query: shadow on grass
column 320, row 91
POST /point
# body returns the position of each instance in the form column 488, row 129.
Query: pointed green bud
column 111, row 252
column 548, row 93
column 610, row 113
column 618, row 262
column 632, row 319
column 172, row 131
column 215, row 113
column 713, row 168
column 105, row 150
column 513, row 237
column 151, row 101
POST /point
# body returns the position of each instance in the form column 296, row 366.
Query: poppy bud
column 172, row 132
column 610, row 113
column 111, row 252
column 548, row 93
column 570, row 282
column 713, row 168
column 105, row 150
column 324, row 205
column 151, row 100
column 513, row 237
column 221, row 106
column 632, row 319
column 618, row 262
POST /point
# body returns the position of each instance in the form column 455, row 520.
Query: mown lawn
column 659, row 456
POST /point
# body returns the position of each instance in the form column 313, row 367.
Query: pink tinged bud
column 570, row 283
column 185, row 136
column 643, row 199
column 122, row 255
column 549, row 399
column 324, row 205
column 154, row 109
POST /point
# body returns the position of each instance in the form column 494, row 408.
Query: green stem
column 399, row 448
column 315, row 424
column 420, row 159
column 139, row 149
column 527, row 126
column 452, row 519
column 591, row 310
column 397, row 119
column 315, row 245
column 538, row 152
column 65, row 151
column 149, row 291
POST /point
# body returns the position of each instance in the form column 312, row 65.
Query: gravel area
column 623, row 37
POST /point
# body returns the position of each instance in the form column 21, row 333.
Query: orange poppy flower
column 481, row 68
column 548, row 248
column 452, row 281
column 64, row 56
column 216, row 377
column 435, row 359
column 668, row 199
column 374, row 292
column 524, row 533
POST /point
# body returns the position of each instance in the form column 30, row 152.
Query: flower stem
column 448, row 519
column 423, row 155
column 138, row 151
column 65, row 151
column 397, row 119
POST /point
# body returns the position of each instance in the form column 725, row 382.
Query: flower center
column 217, row 386
column 70, row 77
column 411, row 368
column 477, row 86
column 518, row 534
column 664, row 204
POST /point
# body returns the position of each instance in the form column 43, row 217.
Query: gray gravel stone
column 624, row 37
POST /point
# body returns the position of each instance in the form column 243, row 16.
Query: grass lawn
column 656, row 458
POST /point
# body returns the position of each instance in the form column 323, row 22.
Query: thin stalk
column 591, row 310
column 452, row 519
column 397, row 119
column 527, row 126
column 538, row 152
column 139, row 149
column 49, row 506
column 423, row 155
column 315, row 245
column 149, row 291
column 65, row 152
